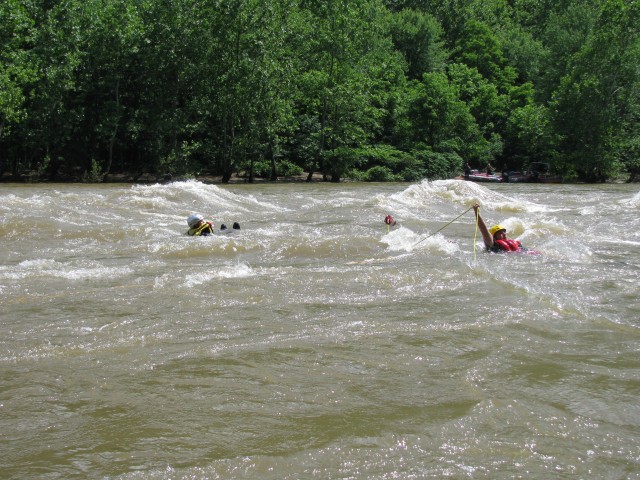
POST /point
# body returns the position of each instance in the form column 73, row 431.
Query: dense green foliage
column 371, row 90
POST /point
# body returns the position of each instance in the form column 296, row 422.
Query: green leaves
column 18, row 65
column 418, row 36
column 88, row 87
column 598, row 98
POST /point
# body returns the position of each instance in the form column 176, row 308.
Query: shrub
column 380, row 174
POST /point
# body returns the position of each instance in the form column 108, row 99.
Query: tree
column 598, row 98
column 243, row 94
column 18, row 66
column 525, row 53
column 42, row 141
column 567, row 27
column 349, row 67
column 479, row 48
column 89, row 87
column 487, row 106
column 437, row 118
column 530, row 137
column 167, row 62
column 418, row 36
column 112, row 35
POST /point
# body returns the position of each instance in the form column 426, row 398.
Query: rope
column 475, row 235
column 428, row 236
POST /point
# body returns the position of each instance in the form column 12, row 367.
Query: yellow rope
column 475, row 235
column 416, row 244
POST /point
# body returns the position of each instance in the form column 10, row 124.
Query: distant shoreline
column 165, row 178
column 147, row 179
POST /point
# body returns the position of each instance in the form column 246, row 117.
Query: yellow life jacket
column 205, row 228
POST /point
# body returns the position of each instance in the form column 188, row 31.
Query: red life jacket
column 508, row 245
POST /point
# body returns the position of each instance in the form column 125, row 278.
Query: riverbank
column 148, row 178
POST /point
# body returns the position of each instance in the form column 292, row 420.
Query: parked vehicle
column 538, row 172
column 478, row 176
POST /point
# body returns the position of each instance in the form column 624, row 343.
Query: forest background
column 372, row 90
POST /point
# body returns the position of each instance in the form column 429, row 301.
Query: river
column 317, row 342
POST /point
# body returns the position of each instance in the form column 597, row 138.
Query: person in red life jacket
column 199, row 227
column 389, row 220
column 495, row 238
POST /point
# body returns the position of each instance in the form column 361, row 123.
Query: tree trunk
column 250, row 169
column 274, row 175
column 113, row 135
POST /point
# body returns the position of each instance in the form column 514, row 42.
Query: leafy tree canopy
column 373, row 90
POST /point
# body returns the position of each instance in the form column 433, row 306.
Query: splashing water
column 318, row 341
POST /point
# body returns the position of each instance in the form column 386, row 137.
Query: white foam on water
column 634, row 202
column 67, row 270
column 316, row 342
column 212, row 273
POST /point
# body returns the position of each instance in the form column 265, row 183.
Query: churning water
column 315, row 342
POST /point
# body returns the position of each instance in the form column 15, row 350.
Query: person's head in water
column 498, row 232
column 495, row 238
column 194, row 220
column 198, row 226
